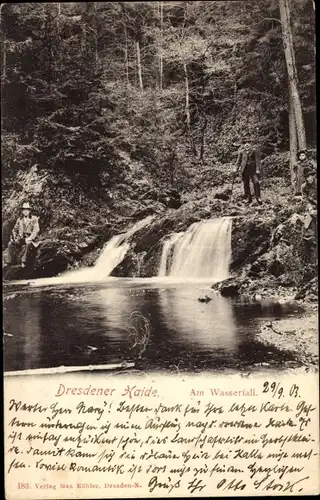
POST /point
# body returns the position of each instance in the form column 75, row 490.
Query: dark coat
column 309, row 192
column 305, row 166
column 26, row 227
column 242, row 160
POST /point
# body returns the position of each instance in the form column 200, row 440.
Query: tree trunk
column 91, row 18
column 202, row 143
column 160, row 52
column 187, row 108
column 126, row 59
column 187, row 103
column 95, row 31
column 4, row 48
column 293, row 141
column 292, row 72
column 172, row 168
column 139, row 69
column 4, row 58
column 235, row 90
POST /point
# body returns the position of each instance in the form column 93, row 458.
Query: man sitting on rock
column 249, row 162
column 24, row 237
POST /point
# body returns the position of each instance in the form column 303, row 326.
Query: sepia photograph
column 159, row 187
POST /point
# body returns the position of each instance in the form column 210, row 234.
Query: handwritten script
column 93, row 436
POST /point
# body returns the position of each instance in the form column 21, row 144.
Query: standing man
column 250, row 163
column 303, row 164
column 24, row 236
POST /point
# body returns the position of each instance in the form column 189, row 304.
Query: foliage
column 301, row 261
column 212, row 74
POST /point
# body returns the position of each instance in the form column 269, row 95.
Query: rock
column 205, row 299
column 250, row 239
column 7, row 227
column 271, row 262
column 308, row 291
column 296, row 219
column 223, row 195
column 131, row 265
column 229, row 287
column 276, row 268
column 17, row 272
column 149, row 207
column 285, row 280
column 258, row 267
column 10, row 296
column 171, row 198
column 230, row 290
column 89, row 349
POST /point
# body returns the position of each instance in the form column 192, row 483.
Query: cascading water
column 202, row 252
column 166, row 253
column 112, row 254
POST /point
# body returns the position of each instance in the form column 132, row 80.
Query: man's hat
column 26, row 206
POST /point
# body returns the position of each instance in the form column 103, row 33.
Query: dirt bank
column 298, row 335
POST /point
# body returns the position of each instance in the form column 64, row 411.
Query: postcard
column 160, row 290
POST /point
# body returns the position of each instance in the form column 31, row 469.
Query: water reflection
column 26, row 312
column 208, row 325
column 114, row 307
column 90, row 325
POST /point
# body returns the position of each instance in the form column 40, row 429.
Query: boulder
column 250, row 239
column 309, row 291
column 276, row 268
column 223, row 195
column 130, row 266
column 7, row 227
column 16, row 272
column 271, row 262
column 285, row 281
column 229, row 287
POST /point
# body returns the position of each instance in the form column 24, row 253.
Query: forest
column 107, row 106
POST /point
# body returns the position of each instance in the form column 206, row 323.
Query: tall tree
column 3, row 45
column 292, row 72
column 91, row 27
column 139, row 66
column 125, row 48
column 293, row 140
column 160, row 6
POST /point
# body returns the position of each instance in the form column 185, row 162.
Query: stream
column 156, row 323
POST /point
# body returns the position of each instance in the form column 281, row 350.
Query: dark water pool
column 156, row 326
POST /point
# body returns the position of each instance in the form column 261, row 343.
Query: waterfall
column 112, row 254
column 167, row 253
column 203, row 251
